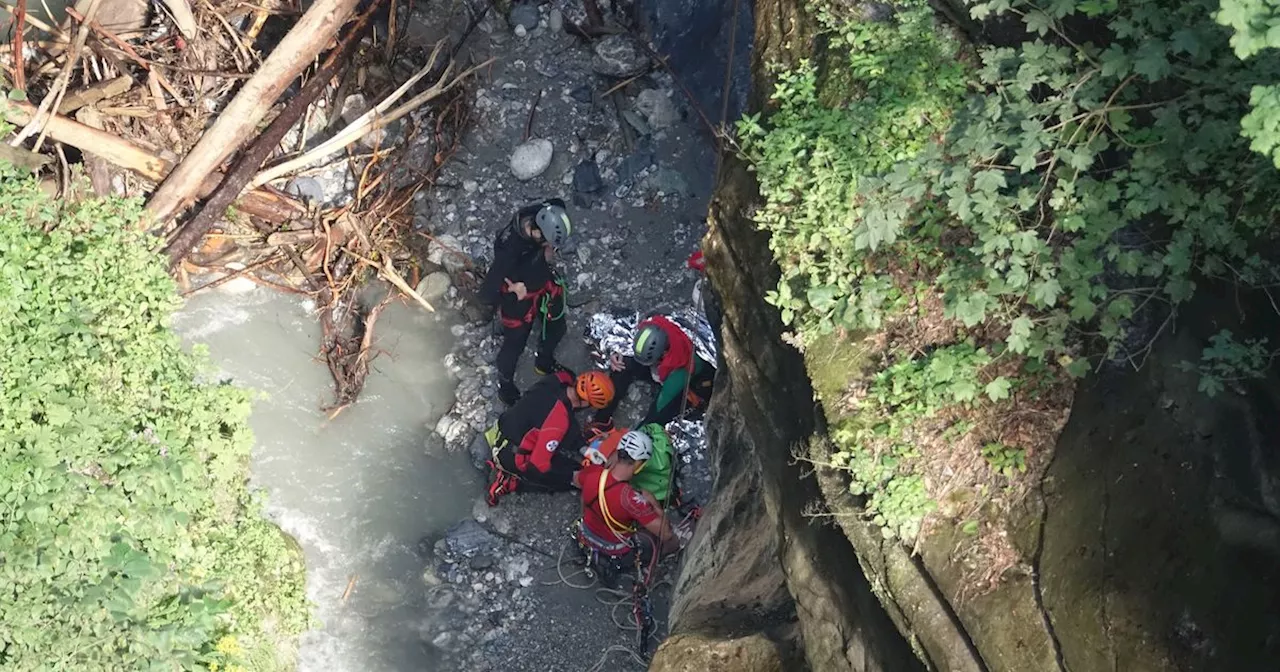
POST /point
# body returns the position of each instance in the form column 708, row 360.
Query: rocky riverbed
column 635, row 163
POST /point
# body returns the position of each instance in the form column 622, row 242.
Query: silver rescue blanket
column 608, row 334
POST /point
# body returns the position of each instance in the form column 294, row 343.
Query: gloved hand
column 596, row 428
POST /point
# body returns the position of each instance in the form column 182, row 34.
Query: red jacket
column 540, row 422
column 679, row 354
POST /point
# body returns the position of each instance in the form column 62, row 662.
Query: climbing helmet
column 554, row 224
column 637, row 445
column 596, row 388
column 650, row 344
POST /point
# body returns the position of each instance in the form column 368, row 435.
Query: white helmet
column 637, row 445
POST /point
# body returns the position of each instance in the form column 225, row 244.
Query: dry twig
column 51, row 100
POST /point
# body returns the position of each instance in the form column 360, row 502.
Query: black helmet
column 554, row 224
column 651, row 344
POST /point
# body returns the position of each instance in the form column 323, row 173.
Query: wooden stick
column 240, row 118
column 19, row 64
column 338, row 141
column 182, row 17
column 133, row 158
column 365, row 125
column 51, row 100
column 95, row 93
column 244, row 168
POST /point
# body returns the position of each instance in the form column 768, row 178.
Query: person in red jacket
column 617, row 518
column 665, row 354
column 533, row 439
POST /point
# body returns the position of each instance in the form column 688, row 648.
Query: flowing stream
column 359, row 492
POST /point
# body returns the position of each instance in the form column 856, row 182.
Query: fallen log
column 125, row 154
column 246, row 166
column 239, row 120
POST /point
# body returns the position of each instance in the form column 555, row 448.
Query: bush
column 128, row 539
column 1034, row 200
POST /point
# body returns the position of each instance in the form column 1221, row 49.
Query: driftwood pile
column 187, row 102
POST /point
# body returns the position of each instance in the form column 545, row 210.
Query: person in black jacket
column 523, row 284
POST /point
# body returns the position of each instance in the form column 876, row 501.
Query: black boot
column 508, row 393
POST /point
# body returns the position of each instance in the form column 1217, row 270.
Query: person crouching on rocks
column 655, row 475
column 532, row 440
column 618, row 518
column 525, row 287
column 663, row 352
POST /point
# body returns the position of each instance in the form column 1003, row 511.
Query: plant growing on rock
column 128, row 539
column 1056, row 197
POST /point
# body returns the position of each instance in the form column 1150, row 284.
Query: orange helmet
column 596, row 388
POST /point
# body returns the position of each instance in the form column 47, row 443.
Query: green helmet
column 650, row 345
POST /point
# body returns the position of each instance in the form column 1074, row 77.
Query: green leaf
column 17, row 95
column 1152, row 60
column 1045, row 292
column 989, row 181
column 998, row 389
column 1037, row 22
column 822, row 299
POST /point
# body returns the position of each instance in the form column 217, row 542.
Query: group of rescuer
column 625, row 476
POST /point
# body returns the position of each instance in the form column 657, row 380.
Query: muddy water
column 358, row 492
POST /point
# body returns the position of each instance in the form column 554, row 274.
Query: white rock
column 555, row 21
column 531, row 159
column 520, row 31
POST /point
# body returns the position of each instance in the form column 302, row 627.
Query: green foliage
column 904, row 401
column 812, row 158
column 1006, row 461
column 128, row 540
column 1047, row 193
column 1227, row 360
column 1256, row 26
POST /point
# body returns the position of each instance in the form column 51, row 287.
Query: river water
column 359, row 492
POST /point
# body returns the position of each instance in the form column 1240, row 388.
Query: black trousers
column 632, row 371
column 558, row 478
column 514, row 340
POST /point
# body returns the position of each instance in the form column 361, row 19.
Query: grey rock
column 670, row 181
column 469, row 538
column 434, row 285
column 479, row 452
column 657, row 108
column 586, row 178
column 619, row 56
column 555, row 20
column 523, row 15
column 520, row 31
column 308, row 189
column 637, row 122
column 444, row 251
column 354, row 106
column 531, row 159
column 582, row 94
column 635, row 163
column 482, row 562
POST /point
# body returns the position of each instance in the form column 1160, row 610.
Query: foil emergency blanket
column 608, row 334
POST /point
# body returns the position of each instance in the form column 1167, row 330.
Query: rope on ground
column 616, row 648
column 567, row 579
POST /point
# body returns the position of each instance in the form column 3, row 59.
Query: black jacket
column 518, row 258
